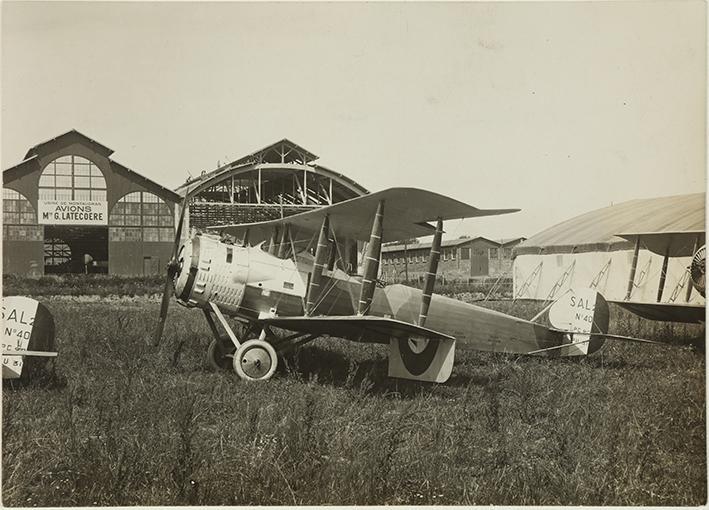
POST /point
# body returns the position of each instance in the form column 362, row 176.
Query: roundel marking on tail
column 417, row 363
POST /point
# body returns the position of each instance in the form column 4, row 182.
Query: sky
column 556, row 108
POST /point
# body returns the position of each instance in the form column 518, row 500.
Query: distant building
column 461, row 259
column 69, row 208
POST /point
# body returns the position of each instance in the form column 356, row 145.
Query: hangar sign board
column 72, row 212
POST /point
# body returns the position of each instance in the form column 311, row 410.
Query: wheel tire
column 255, row 360
column 219, row 355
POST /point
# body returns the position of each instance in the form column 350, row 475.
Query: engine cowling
column 698, row 269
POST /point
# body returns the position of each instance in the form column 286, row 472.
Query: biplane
column 670, row 244
column 291, row 274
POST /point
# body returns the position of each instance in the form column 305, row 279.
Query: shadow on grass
column 336, row 368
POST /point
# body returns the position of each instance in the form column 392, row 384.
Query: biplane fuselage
column 251, row 284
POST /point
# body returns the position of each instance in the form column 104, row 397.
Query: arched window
column 19, row 217
column 141, row 216
column 16, row 209
column 72, row 178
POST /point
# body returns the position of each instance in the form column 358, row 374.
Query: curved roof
column 283, row 155
column 223, row 173
column 600, row 229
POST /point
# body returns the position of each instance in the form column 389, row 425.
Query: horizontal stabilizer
column 585, row 340
column 365, row 328
column 45, row 354
column 407, row 212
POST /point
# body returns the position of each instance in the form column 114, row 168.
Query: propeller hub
column 180, row 267
column 173, row 268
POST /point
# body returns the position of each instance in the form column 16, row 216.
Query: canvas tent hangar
column 615, row 250
column 601, row 229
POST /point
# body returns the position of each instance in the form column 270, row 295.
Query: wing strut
column 663, row 274
column 690, row 283
column 272, row 241
column 321, row 255
column 283, row 244
column 371, row 262
column 633, row 268
column 430, row 279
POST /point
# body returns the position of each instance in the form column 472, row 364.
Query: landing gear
column 220, row 354
column 255, row 360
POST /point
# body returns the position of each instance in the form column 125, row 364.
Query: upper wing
column 406, row 211
column 675, row 244
column 366, row 328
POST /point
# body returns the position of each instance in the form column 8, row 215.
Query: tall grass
column 133, row 424
column 82, row 284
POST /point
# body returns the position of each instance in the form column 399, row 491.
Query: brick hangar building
column 69, row 208
column 461, row 259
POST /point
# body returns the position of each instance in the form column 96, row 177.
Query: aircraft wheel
column 255, row 360
column 220, row 355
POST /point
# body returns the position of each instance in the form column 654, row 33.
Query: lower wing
column 415, row 352
column 674, row 312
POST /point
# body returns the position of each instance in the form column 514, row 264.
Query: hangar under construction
column 274, row 182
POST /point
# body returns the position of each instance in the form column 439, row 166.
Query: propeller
column 698, row 269
column 172, row 268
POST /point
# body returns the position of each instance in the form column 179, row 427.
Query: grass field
column 123, row 423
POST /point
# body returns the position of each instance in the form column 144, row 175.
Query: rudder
column 583, row 312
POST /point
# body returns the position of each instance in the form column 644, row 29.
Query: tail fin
column 585, row 313
column 421, row 359
column 12, row 367
column 28, row 330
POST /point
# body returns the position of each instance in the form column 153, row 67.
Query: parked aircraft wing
column 406, row 213
column 675, row 244
column 675, row 312
column 365, row 328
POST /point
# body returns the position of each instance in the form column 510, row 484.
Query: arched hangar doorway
column 72, row 206
column 75, row 249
